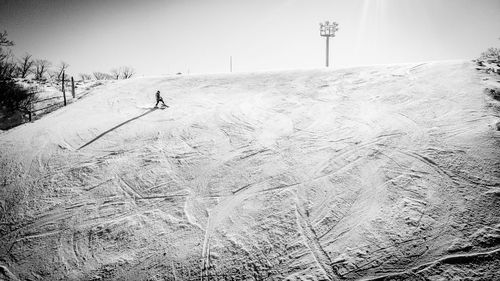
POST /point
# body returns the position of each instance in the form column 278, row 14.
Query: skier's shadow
column 118, row 126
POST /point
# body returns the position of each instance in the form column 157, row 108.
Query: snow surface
column 382, row 171
column 49, row 98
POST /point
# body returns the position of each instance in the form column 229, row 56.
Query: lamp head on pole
column 328, row 29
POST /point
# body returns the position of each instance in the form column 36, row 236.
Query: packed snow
column 359, row 173
column 49, row 97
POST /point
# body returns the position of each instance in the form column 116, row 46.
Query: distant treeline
column 42, row 69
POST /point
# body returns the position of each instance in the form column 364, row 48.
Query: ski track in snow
column 364, row 173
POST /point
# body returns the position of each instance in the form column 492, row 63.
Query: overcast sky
column 167, row 36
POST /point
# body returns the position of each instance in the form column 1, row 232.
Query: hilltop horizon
column 160, row 37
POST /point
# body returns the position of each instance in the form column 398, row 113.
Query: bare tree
column 4, row 54
column 116, row 73
column 122, row 72
column 13, row 96
column 25, row 65
column 84, row 76
column 4, row 42
column 52, row 74
column 7, row 64
column 127, row 72
column 62, row 68
column 102, row 76
column 41, row 68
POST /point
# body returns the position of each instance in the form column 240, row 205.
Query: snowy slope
column 49, row 98
column 298, row 175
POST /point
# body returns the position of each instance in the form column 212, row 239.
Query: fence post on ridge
column 64, row 93
column 72, row 87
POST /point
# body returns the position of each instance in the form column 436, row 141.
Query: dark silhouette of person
column 158, row 99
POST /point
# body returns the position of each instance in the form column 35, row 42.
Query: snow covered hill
column 49, row 98
column 383, row 171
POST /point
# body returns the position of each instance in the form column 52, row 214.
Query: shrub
column 491, row 54
column 14, row 97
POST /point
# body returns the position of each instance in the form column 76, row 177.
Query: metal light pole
column 328, row 30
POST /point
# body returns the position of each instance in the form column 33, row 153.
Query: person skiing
column 158, row 99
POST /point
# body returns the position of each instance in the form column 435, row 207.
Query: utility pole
column 328, row 30
column 230, row 63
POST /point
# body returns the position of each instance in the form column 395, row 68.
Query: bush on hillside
column 492, row 54
column 15, row 98
column 489, row 61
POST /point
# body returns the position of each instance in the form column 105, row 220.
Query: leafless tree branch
column 4, row 42
column 84, row 76
column 102, row 76
column 127, row 72
column 41, row 68
column 61, row 69
column 26, row 64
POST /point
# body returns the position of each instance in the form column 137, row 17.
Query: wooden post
column 64, row 93
column 72, row 87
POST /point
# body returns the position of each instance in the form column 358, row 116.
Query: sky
column 158, row 37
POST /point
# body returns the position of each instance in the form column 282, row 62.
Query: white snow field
column 381, row 172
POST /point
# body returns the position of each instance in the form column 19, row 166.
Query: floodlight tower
column 328, row 29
